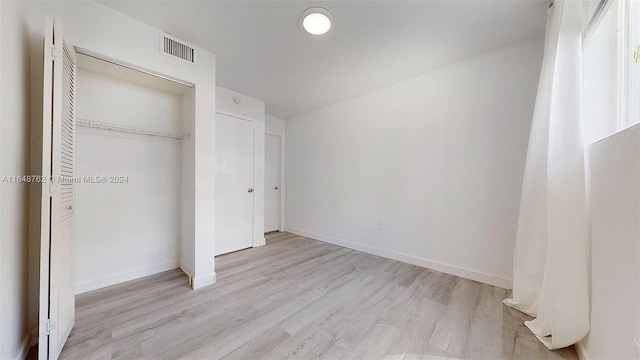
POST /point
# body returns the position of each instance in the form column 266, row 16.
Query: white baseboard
column 23, row 348
column 199, row 282
column 125, row 276
column 581, row 351
column 414, row 260
column 261, row 242
column 186, row 268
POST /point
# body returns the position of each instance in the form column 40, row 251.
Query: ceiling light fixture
column 316, row 20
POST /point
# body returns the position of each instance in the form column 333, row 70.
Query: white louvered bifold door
column 61, row 299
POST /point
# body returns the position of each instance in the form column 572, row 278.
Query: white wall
column 251, row 109
column 133, row 229
column 437, row 159
column 188, row 219
column 277, row 126
column 615, row 246
column 14, row 155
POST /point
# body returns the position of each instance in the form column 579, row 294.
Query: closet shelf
column 126, row 129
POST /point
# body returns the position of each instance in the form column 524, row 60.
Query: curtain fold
column 550, row 277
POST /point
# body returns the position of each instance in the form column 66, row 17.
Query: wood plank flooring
column 298, row 298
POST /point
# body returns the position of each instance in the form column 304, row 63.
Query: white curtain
column 550, row 280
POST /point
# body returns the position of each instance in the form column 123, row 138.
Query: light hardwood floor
column 301, row 298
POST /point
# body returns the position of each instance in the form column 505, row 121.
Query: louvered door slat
column 62, row 292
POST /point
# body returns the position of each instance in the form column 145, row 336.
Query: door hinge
column 48, row 326
column 636, row 54
column 50, row 190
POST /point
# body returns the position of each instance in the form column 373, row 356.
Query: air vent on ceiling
column 172, row 46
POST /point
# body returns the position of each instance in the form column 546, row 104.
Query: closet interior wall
column 128, row 200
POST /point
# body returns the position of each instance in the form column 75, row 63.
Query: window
column 611, row 75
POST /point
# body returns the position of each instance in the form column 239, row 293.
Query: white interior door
column 234, row 184
column 57, row 300
column 272, row 183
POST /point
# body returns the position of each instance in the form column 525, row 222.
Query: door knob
column 250, row 190
column 276, row 188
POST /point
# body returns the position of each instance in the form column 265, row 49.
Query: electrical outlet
column 380, row 225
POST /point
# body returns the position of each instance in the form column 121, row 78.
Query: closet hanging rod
column 126, row 129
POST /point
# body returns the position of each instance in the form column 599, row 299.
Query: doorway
column 129, row 152
column 273, row 183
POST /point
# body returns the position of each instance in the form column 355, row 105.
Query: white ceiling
column 262, row 52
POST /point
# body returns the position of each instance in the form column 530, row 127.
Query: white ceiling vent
column 170, row 45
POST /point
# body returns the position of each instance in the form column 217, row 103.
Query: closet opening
column 132, row 164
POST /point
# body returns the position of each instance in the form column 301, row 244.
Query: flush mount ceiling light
column 316, row 20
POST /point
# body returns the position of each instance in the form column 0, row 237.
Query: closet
column 130, row 137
